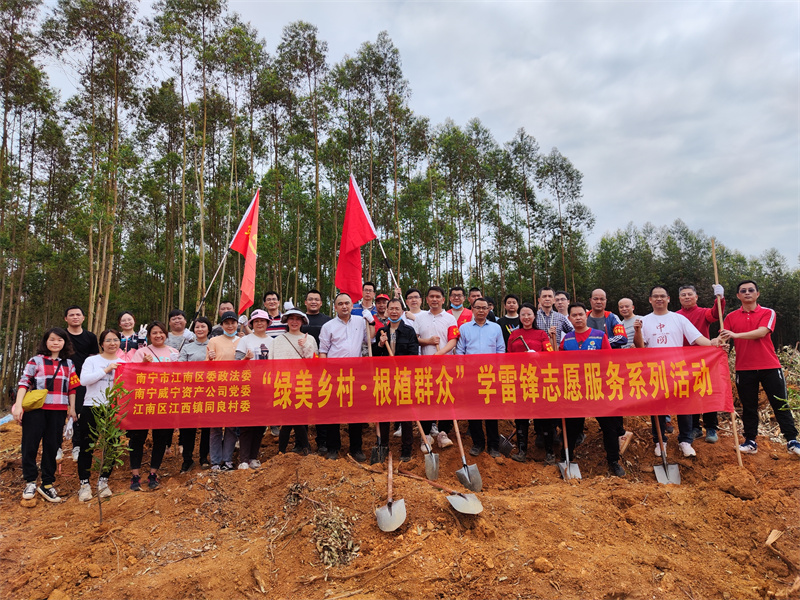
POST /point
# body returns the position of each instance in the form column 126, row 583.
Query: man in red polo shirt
column 702, row 318
column 750, row 328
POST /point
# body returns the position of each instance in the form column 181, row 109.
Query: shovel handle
column 663, row 453
column 389, row 499
column 434, row 484
column 460, row 445
column 422, row 435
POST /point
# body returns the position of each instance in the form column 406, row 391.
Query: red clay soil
column 249, row 534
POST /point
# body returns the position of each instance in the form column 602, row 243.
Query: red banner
column 487, row 386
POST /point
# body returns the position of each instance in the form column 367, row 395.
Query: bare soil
column 247, row 534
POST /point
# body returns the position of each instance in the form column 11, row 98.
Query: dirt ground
column 248, row 534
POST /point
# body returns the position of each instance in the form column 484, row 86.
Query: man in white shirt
column 342, row 337
column 665, row 329
column 626, row 312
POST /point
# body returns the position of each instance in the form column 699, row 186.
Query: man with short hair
column 606, row 321
column 272, row 304
column 437, row 332
column 481, row 336
column 510, row 320
column 460, row 314
column 702, row 318
column 548, row 320
column 367, row 300
column 561, row 302
column 84, row 345
column 626, row 312
column 414, row 303
column 227, row 306
column 316, row 319
column 750, row 327
column 665, row 329
column 178, row 334
column 474, row 294
column 342, row 337
column 588, row 338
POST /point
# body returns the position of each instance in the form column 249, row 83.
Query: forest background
column 126, row 194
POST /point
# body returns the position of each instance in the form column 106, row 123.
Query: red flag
column 356, row 231
column 245, row 242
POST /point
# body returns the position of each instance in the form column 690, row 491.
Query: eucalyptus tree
column 524, row 153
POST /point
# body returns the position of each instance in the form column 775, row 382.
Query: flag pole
column 391, row 272
column 208, row 289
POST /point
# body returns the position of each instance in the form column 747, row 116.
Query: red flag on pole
column 245, row 242
column 357, row 230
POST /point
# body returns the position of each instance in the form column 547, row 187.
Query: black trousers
column 407, row 438
column 492, row 433
column 78, row 431
column 333, row 437
column 547, row 429
column 300, row 437
column 187, row 437
column 574, row 429
column 85, row 457
column 710, row 421
column 610, row 426
column 775, row 387
column 43, row 427
column 136, row 439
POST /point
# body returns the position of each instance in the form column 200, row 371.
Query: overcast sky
column 670, row 110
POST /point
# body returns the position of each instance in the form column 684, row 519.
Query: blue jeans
column 222, row 443
column 684, row 428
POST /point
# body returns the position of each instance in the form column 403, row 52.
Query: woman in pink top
column 155, row 351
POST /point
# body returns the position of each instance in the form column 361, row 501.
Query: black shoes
column 135, row 485
column 616, row 469
column 187, row 466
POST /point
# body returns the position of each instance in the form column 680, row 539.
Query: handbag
column 34, row 399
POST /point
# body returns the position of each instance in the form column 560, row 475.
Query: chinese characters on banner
column 496, row 386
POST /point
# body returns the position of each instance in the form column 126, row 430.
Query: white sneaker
column 85, row 493
column 30, row 491
column 244, row 465
column 687, row 449
column 76, row 452
column 434, row 429
column 658, row 448
column 443, row 440
column 423, row 447
column 399, row 432
column 103, row 491
column 59, row 455
column 254, row 464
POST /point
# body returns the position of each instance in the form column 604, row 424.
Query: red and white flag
column 245, row 242
column 357, row 230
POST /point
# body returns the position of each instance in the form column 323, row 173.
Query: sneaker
column 76, row 452
column 687, row 449
column 85, row 493
column 519, row 457
column 659, row 449
column 216, row 468
column 749, row 447
column 59, row 455
column 711, row 436
column 398, row 432
column 443, row 440
column 494, row 453
column 697, row 433
column 475, row 450
column 333, row 455
column 152, row 481
column 243, row 466
column 49, row 493
column 103, row 491
column 423, row 447
column 30, row 491
column 322, row 450
column 550, row 459
column 204, row 464
column 793, row 446
column 616, row 469
column 227, row 466
column 359, row 456
column 275, row 430
column 254, row 464
column 434, row 429
column 296, row 450
column 405, row 456
column 187, row 466
column 135, row 485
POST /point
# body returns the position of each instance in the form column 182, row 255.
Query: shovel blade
column 569, row 471
column 432, row 466
column 391, row 516
column 670, row 475
column 506, row 447
column 470, row 477
column 467, row 504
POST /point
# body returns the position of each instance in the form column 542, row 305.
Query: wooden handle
column 458, row 437
column 390, row 478
column 434, row 484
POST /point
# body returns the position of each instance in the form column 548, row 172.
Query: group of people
column 77, row 370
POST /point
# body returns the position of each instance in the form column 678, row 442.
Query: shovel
column 569, row 470
column 431, row 459
column 665, row 473
column 378, row 452
column 391, row 516
column 468, row 475
column 506, row 447
column 467, row 504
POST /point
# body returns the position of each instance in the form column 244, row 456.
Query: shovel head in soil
column 569, row 470
column 391, row 516
column 432, row 466
column 467, row 504
column 470, row 477
column 506, row 447
column 667, row 473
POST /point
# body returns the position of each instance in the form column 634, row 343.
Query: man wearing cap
column 702, row 318
column 381, row 303
column 342, row 337
column 223, row 347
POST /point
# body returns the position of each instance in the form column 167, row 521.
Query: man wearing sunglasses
column 751, row 328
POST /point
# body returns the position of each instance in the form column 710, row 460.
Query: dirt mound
column 246, row 533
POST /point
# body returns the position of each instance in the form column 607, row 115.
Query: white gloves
column 718, row 290
column 68, row 429
column 288, row 305
column 243, row 319
column 368, row 316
